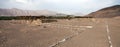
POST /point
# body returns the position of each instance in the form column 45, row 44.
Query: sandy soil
column 83, row 32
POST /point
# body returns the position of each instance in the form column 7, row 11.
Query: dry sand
column 83, row 32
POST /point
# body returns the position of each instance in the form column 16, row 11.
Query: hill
column 108, row 12
column 19, row 12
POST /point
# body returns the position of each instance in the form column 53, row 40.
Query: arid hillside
column 108, row 12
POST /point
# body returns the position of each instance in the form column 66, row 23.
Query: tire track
column 65, row 39
column 108, row 34
column 66, row 26
column 69, row 27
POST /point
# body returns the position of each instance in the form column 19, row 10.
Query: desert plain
column 78, row 32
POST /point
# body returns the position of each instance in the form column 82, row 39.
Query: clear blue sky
column 64, row 6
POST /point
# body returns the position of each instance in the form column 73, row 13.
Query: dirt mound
column 37, row 22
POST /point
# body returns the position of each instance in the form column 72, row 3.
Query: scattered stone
column 44, row 27
column 0, row 31
column 89, row 26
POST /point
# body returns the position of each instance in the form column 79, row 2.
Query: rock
column 0, row 31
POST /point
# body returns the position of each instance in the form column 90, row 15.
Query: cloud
column 22, row 1
column 85, row 6
column 67, row 6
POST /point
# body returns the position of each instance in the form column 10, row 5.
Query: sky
column 63, row 6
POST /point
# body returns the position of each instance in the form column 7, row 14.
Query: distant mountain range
column 19, row 12
column 108, row 12
column 78, row 14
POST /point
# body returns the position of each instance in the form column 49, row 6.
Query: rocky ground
column 83, row 32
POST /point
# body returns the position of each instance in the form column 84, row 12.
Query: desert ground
column 79, row 32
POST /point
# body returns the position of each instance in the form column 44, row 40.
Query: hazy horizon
column 62, row 6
